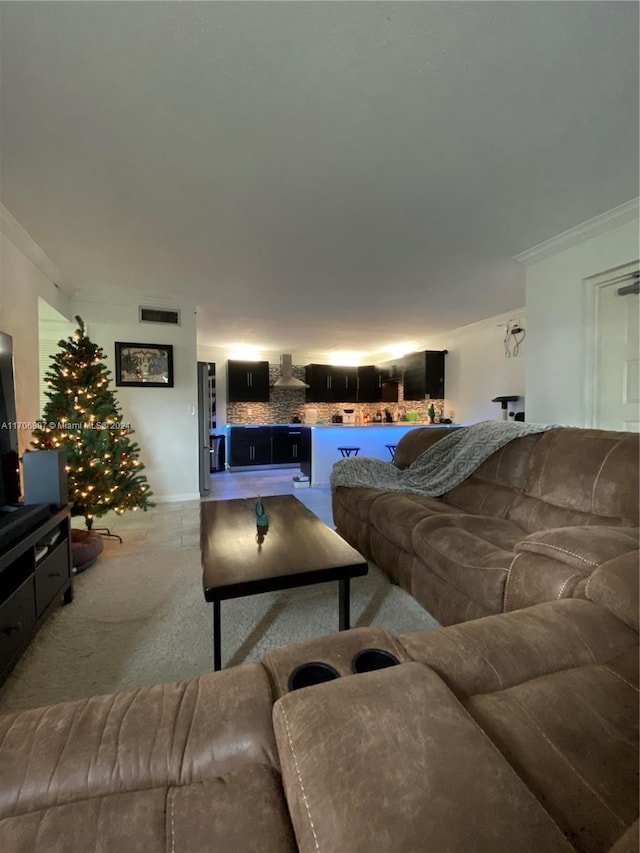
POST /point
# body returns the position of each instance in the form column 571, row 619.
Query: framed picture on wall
column 141, row 365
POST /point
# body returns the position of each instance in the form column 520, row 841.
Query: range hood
column 287, row 379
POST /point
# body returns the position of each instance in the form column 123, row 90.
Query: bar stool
column 392, row 450
column 349, row 451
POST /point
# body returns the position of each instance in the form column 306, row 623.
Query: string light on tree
column 80, row 400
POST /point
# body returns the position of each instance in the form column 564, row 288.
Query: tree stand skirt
column 85, row 548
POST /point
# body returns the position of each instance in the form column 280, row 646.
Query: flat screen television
column 9, row 473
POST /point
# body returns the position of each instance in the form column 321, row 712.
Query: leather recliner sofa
column 517, row 731
column 529, row 525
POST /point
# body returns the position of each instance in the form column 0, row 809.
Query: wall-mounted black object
column 504, row 401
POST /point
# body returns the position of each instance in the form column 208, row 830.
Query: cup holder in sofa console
column 369, row 659
column 313, row 672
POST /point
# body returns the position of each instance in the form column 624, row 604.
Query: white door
column 617, row 403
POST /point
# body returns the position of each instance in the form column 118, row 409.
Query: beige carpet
column 139, row 617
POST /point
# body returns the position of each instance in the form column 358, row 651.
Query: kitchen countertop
column 349, row 426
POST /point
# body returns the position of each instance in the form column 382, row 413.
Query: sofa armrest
column 556, row 563
column 383, row 761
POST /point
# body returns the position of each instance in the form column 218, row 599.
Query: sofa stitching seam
column 597, row 477
column 526, row 545
column 587, row 588
column 506, row 584
column 299, row 775
column 170, row 798
column 564, row 585
column 622, row 678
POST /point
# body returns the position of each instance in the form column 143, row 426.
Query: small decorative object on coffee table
column 262, row 521
column 301, row 550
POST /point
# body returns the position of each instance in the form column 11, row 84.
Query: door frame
column 592, row 287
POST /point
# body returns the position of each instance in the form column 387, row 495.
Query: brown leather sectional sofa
column 529, row 525
column 512, row 732
column 515, row 732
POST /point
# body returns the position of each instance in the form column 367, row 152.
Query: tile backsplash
column 285, row 403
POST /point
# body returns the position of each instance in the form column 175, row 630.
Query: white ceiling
column 318, row 175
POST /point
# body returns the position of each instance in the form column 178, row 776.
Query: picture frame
column 144, row 365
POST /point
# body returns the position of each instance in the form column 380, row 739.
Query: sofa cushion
column 580, row 477
column 493, row 486
column 171, row 734
column 501, row 651
column 356, row 501
column 395, row 515
column 572, row 737
column 351, row 509
column 470, row 552
column 364, row 774
column 194, row 818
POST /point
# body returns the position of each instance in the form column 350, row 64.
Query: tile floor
column 279, row 481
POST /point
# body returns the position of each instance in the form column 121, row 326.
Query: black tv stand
column 18, row 519
column 35, row 576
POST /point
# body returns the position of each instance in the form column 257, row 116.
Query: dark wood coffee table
column 298, row 550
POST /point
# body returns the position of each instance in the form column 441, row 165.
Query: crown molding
column 591, row 228
column 22, row 240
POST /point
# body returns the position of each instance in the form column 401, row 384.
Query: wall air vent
column 168, row 316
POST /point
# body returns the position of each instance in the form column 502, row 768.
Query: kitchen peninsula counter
column 370, row 438
column 314, row 447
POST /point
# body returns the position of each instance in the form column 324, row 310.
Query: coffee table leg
column 217, row 651
column 343, row 603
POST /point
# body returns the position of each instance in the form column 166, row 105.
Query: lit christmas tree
column 82, row 417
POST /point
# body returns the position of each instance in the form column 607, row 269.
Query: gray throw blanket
column 439, row 468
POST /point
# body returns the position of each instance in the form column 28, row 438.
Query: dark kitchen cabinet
column 344, row 384
column 248, row 381
column 369, row 384
column 318, row 378
column 249, row 446
column 290, row 444
column 423, row 375
column 391, row 370
column 375, row 384
column 331, row 384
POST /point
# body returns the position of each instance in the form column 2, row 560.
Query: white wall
column 165, row 428
column 164, row 419
column 476, row 369
column 21, row 284
column 558, row 372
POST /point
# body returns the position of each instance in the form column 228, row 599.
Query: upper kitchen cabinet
column 423, row 375
column 330, row 384
column 248, row 381
column 369, row 384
